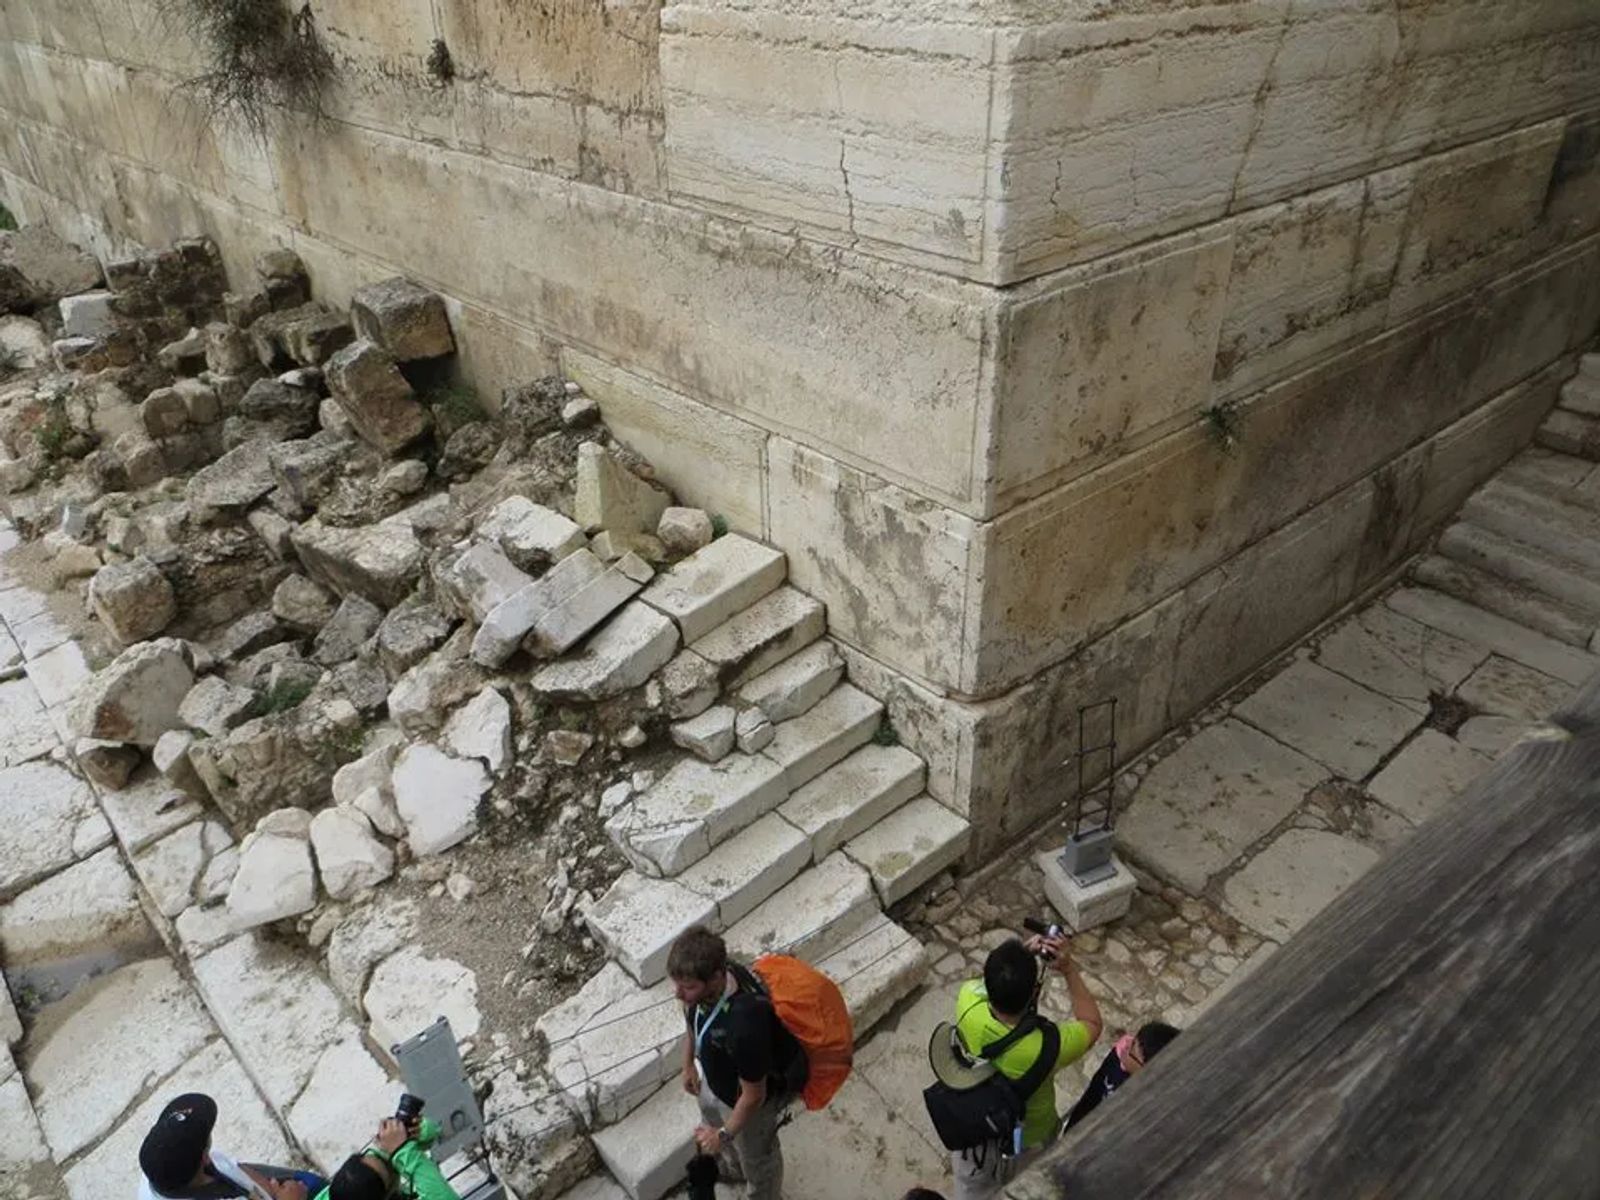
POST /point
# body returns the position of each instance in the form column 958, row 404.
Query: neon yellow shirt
column 979, row 1027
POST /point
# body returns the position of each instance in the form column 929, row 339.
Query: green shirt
column 419, row 1175
column 979, row 1027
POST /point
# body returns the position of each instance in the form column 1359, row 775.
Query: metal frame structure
column 1092, row 811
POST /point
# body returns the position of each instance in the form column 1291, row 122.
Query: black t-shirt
column 1106, row 1080
column 745, row 1040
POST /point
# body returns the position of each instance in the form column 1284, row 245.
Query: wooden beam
column 1435, row 1032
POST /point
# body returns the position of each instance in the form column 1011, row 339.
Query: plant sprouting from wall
column 260, row 55
column 1222, row 423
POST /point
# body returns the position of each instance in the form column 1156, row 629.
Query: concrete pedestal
column 1085, row 907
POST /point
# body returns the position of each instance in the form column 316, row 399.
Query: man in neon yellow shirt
column 989, row 1008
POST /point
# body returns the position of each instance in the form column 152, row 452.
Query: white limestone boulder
column 136, row 698
column 276, row 878
column 349, row 855
column 481, row 729
column 437, row 797
column 632, row 646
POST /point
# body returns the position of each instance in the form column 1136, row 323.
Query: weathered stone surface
column 170, row 756
column 421, row 697
column 163, row 413
column 409, row 631
column 250, row 634
column 106, row 764
column 370, row 934
column 853, row 795
column 809, row 916
column 909, row 847
column 172, row 868
column 796, row 684
column 1398, row 657
column 754, row 731
column 133, row 600
column 480, row 579
column 715, row 583
column 38, row 268
column 710, row 735
column 749, row 867
column 437, row 797
column 332, row 1113
column 684, row 530
column 631, row 647
column 481, row 729
column 689, row 685
column 305, row 470
column 1341, row 724
column 1426, row 775
column 129, row 1029
column 409, row 989
column 314, row 335
column 381, row 562
column 692, row 807
column 613, row 498
column 299, row 602
column 353, row 622
column 88, row 315
column 50, row 816
column 215, row 706
column 509, row 622
column 1293, row 879
column 532, row 536
column 1495, row 633
column 136, row 698
column 611, row 1041
column 1503, row 687
column 371, row 770
column 638, row 918
column 235, row 481
column 1492, row 736
column 348, row 856
column 88, row 908
column 58, row 674
column 404, row 318
column 840, row 722
column 1199, row 807
column 758, row 638
column 376, row 397
column 275, row 879
column 559, row 627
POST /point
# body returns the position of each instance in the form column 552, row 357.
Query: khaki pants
column 756, row 1145
column 975, row 1182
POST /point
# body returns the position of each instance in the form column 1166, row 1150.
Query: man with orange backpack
column 740, row 1060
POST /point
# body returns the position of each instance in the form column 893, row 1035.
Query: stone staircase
column 793, row 834
column 1526, row 545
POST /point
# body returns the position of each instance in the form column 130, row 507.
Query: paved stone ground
column 1240, row 827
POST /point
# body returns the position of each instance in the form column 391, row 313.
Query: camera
column 1045, row 929
column 409, row 1110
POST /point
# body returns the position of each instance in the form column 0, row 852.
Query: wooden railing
column 1435, row 1032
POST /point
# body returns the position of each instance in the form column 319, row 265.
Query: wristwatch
column 723, row 1135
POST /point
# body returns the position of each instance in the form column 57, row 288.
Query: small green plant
column 346, row 743
column 287, row 694
column 1222, row 423
column 440, row 64
column 454, row 406
column 719, row 525
column 56, row 431
column 7, row 221
column 261, row 55
column 885, row 734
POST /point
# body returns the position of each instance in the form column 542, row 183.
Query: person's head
column 697, row 965
column 1010, row 975
column 362, row 1177
column 1151, row 1039
column 176, row 1150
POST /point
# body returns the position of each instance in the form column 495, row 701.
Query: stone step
column 1581, row 394
column 748, row 867
column 818, row 911
column 909, row 847
column 1528, row 566
column 639, row 917
column 715, row 582
column 649, row 1150
column 796, row 684
column 1571, row 433
column 1492, row 632
column 843, row 720
column 853, row 795
column 1550, row 474
column 1589, row 365
column 1504, row 598
column 780, row 624
column 1567, row 530
column 694, row 806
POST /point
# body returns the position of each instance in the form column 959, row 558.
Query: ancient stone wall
column 1068, row 350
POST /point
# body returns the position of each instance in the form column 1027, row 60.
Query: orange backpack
column 812, row 1008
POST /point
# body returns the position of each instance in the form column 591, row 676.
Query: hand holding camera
column 1048, row 941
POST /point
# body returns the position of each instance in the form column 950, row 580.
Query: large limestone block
column 334, row 1111
column 1204, row 804
column 349, row 857
column 404, row 318
column 559, row 627
column 1505, row 688
column 481, row 729
column 1341, row 724
column 853, row 795
column 757, row 638
column 715, row 582
column 611, row 1042
column 648, row 1152
column 235, row 481
column 375, row 396
column 421, row 697
column 1429, row 772
column 613, row 498
column 909, row 847
column 409, row 989
column 1398, row 657
column 630, row 648
column 381, row 562
column 90, row 907
column 136, row 698
column 505, row 626
column 88, row 315
column 532, row 536
column 638, row 919
column 843, row 720
column 749, row 867
column 24, row 341
column 794, row 685
column 127, row 1030
column 437, row 797
column 818, row 912
column 276, row 879
column 216, row 706
column 133, row 600
column 479, row 579
column 37, row 268
column 1295, row 878
column 50, row 820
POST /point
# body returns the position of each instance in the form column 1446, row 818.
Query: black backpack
column 991, row 1112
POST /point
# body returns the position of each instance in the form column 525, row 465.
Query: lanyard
column 701, row 1028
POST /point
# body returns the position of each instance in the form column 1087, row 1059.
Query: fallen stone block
column 235, row 481
column 638, row 919
column 754, row 731
column 306, row 469
column 710, row 735
column 760, row 637
column 410, row 631
column 632, row 646
column 250, row 633
column 228, row 350
column 38, row 268
column 608, row 546
column 162, row 413
column 284, row 280
column 559, row 627
column 692, row 808
column 567, row 747
column 375, row 397
column 909, row 847
column 106, row 764
column 481, row 729
column 278, row 410
column 170, row 756
column 404, row 318
column 275, row 879
column 381, row 562
column 186, row 355
column 133, row 600
column 314, row 336
column 302, row 603
column 682, row 531
column 689, row 685
column 532, row 536
column 793, row 686
column 504, row 627
column 480, row 579
column 88, row 315
column 136, row 698
column 349, row 857
column 406, row 478
column 437, row 797
column 613, row 498
column 421, row 697
column 23, row 340
column 353, row 622
column 200, row 402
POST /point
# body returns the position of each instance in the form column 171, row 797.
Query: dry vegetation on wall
column 262, row 54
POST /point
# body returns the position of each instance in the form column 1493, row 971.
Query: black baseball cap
column 176, row 1144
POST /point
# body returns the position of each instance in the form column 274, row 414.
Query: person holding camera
column 990, row 1009
column 395, row 1163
